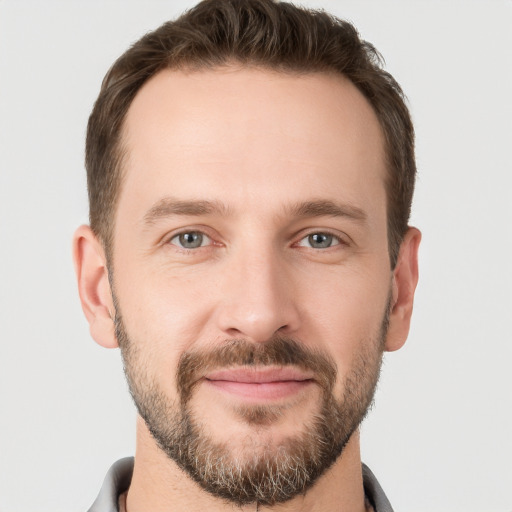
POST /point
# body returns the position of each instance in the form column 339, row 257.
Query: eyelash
column 336, row 239
column 191, row 232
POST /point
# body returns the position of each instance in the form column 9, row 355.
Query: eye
column 190, row 240
column 319, row 241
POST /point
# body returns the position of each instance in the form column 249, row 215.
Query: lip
column 260, row 384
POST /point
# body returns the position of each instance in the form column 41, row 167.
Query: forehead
column 239, row 134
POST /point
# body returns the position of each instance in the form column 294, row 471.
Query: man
column 250, row 171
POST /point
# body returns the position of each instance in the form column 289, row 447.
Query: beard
column 265, row 473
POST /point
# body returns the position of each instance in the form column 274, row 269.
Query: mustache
column 277, row 351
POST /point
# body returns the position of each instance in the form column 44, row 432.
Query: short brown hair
column 265, row 33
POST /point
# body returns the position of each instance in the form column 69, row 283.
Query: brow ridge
column 327, row 208
column 169, row 206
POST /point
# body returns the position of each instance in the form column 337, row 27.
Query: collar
column 119, row 477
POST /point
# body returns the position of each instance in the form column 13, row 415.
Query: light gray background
column 439, row 437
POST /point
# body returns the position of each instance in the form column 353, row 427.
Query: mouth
column 260, row 384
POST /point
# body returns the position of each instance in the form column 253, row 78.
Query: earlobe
column 93, row 286
column 405, row 279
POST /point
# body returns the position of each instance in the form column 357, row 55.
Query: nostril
column 233, row 332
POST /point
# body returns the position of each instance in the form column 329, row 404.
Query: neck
column 159, row 485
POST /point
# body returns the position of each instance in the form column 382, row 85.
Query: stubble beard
column 264, row 474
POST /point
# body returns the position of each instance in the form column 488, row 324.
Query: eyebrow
column 326, row 208
column 169, row 206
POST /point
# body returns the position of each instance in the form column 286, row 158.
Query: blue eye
column 319, row 241
column 191, row 240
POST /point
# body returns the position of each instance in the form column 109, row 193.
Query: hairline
column 120, row 151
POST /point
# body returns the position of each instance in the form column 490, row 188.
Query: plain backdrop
column 439, row 437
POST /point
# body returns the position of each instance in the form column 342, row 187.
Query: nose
column 258, row 299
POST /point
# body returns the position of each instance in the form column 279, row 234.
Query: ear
column 405, row 279
column 93, row 286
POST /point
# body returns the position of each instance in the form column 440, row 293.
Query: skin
column 258, row 143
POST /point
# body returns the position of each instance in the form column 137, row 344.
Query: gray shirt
column 119, row 477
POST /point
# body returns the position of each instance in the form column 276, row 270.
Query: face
column 251, row 272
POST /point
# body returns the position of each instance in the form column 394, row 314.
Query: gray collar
column 116, row 482
column 374, row 493
column 119, row 477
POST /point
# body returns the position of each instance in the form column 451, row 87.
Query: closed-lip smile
column 260, row 383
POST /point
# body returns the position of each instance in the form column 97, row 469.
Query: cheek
column 164, row 317
column 162, row 303
column 347, row 317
